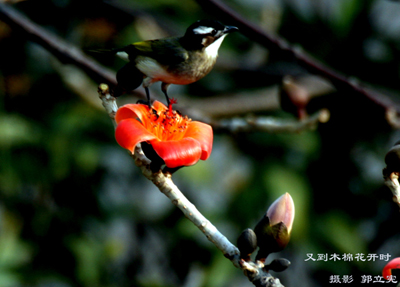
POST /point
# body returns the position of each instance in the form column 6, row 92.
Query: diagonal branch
column 277, row 44
column 254, row 271
column 271, row 124
column 63, row 51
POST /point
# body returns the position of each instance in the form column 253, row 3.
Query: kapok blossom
column 392, row 264
column 178, row 140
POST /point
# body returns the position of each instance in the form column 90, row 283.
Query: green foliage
column 75, row 210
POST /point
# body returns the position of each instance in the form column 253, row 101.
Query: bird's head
column 207, row 34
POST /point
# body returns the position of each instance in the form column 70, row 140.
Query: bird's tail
column 120, row 52
column 103, row 51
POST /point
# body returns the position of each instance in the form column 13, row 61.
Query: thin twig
column 164, row 183
column 271, row 124
column 392, row 182
column 63, row 51
column 68, row 53
column 227, row 105
column 393, row 118
column 277, row 44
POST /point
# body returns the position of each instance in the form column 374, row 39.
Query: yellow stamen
column 167, row 125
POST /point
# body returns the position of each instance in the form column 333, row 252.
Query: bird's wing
column 143, row 47
column 165, row 51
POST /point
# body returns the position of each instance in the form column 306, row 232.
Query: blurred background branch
column 271, row 124
column 218, row 107
column 64, row 52
column 276, row 44
column 69, row 54
column 163, row 181
column 74, row 211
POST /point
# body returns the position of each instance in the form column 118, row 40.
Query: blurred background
column 76, row 211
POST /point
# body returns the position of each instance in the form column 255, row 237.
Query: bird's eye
column 213, row 32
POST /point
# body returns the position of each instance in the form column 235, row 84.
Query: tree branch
column 277, row 44
column 271, row 124
column 68, row 53
column 391, row 180
column 63, row 51
column 254, row 271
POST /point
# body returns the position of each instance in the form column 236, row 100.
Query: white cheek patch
column 202, row 30
column 212, row 50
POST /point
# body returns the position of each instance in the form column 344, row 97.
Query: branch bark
column 67, row 53
column 391, row 180
column 277, row 44
column 271, row 124
column 63, row 51
column 254, row 271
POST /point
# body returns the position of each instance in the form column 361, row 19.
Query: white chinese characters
column 347, row 257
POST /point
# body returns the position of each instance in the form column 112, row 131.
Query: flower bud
column 273, row 230
column 247, row 243
column 294, row 97
column 282, row 210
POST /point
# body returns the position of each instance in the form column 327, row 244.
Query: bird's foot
column 143, row 102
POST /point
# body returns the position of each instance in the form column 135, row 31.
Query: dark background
column 75, row 210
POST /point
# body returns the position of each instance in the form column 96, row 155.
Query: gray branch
column 271, row 124
column 254, row 271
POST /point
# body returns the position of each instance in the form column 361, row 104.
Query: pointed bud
column 273, row 230
column 247, row 243
column 387, row 270
column 282, row 210
column 294, row 97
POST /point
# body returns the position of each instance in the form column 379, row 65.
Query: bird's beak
column 230, row 29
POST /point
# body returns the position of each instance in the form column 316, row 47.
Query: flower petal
column 393, row 264
column 203, row 133
column 158, row 106
column 130, row 132
column 183, row 152
column 132, row 111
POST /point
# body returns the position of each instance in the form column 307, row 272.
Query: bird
column 173, row 60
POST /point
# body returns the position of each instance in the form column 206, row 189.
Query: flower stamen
column 177, row 139
column 168, row 124
column 171, row 102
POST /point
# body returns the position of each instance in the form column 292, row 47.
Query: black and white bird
column 176, row 60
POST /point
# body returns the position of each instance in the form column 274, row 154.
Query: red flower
column 392, row 264
column 175, row 138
